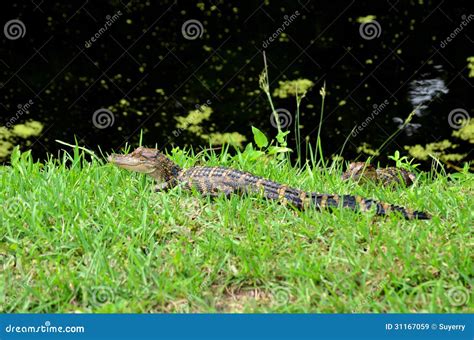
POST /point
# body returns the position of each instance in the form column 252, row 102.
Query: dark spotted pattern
column 215, row 181
column 363, row 172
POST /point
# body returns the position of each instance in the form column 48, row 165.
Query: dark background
column 145, row 50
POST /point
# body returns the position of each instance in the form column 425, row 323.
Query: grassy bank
column 82, row 236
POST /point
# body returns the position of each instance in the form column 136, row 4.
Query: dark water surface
column 138, row 60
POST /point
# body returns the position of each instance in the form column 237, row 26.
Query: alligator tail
column 358, row 203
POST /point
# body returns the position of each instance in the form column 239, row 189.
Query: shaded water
column 144, row 69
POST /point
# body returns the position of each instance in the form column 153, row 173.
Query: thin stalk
column 318, row 141
column 266, row 88
column 409, row 118
column 346, row 140
column 297, row 130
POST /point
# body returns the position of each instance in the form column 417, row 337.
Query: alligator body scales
column 215, row 181
column 362, row 172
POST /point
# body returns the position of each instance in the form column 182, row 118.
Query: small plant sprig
column 403, row 161
column 282, row 150
column 265, row 86
column 319, row 148
column 262, row 142
column 299, row 97
column 397, row 132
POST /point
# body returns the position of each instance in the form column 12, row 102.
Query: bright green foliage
column 192, row 123
column 438, row 149
column 403, row 162
column 259, row 137
column 77, row 235
column 466, row 132
column 292, row 88
column 9, row 136
column 470, row 65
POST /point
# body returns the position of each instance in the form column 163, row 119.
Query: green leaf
column 280, row 137
column 278, row 149
column 256, row 155
column 259, row 137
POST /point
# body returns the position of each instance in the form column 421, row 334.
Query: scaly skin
column 362, row 172
column 214, row 181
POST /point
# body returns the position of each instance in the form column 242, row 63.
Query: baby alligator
column 388, row 177
column 215, row 181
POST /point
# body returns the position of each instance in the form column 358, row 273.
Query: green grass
column 82, row 236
